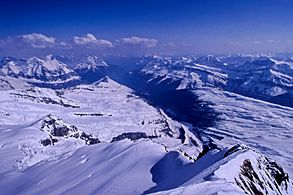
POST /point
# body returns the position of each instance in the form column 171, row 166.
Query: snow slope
column 122, row 167
column 265, row 127
column 101, row 138
column 104, row 109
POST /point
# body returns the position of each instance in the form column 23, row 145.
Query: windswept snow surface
column 264, row 126
column 118, row 168
column 105, row 110
column 102, row 138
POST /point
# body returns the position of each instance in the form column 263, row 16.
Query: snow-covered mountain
column 259, row 77
column 183, row 127
column 182, row 73
column 91, row 68
column 47, row 71
column 57, row 71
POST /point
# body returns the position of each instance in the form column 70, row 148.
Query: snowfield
column 263, row 126
column 121, row 167
column 103, row 138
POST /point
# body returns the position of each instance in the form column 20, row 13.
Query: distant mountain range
column 263, row 78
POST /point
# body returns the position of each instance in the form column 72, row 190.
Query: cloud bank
column 36, row 40
column 38, row 44
column 91, row 40
column 139, row 41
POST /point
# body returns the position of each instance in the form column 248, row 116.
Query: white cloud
column 264, row 41
column 62, row 43
column 90, row 40
column 36, row 40
column 257, row 42
column 139, row 41
column 39, row 44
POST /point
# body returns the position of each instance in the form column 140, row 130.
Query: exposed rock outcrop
column 132, row 136
column 57, row 129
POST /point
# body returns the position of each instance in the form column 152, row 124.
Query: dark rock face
column 278, row 173
column 49, row 141
column 132, row 136
column 248, row 172
column 89, row 140
column 265, row 177
column 57, row 129
column 182, row 135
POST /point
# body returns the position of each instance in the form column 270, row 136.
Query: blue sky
column 179, row 26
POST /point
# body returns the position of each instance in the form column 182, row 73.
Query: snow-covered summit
column 210, row 60
column 91, row 63
column 106, row 82
column 47, row 69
